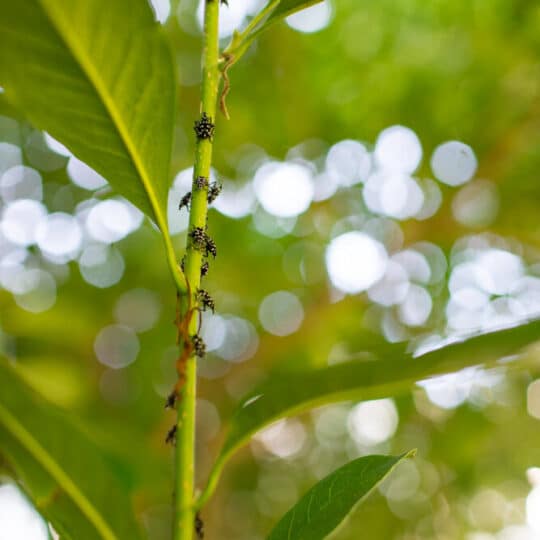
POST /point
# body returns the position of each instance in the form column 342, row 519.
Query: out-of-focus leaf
column 8, row 110
column 68, row 478
column 98, row 76
column 360, row 380
column 329, row 501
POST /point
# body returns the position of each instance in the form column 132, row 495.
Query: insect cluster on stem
column 201, row 182
column 202, row 242
column 199, row 240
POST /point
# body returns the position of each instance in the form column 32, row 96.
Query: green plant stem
column 184, row 514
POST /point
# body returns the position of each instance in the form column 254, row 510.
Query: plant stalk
column 184, row 512
column 241, row 41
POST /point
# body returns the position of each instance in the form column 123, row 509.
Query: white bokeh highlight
column 116, row 346
column 284, row 189
column 398, row 149
column 348, row 162
column 312, row 19
column 18, row 519
column 281, row 313
column 20, row 221
column 373, row 422
column 355, row 262
column 84, row 176
column 453, row 163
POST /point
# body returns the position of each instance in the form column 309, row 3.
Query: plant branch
column 184, row 513
column 241, row 41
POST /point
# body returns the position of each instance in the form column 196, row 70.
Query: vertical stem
column 184, row 513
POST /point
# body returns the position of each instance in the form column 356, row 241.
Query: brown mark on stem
column 184, row 341
column 229, row 60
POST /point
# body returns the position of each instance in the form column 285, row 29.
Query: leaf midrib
column 99, row 86
column 41, row 455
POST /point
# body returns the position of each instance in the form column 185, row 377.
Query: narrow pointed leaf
column 272, row 12
column 70, row 480
column 98, row 76
column 288, row 7
column 329, row 501
column 291, row 392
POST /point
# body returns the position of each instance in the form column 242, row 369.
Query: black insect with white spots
column 201, row 182
column 204, row 269
column 198, row 346
column 204, row 128
column 210, row 247
column 205, row 300
column 213, row 191
column 198, row 238
column 185, row 201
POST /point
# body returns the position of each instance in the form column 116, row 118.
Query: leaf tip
column 410, row 454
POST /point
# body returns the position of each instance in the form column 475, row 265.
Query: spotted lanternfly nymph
column 204, row 128
column 204, row 269
column 201, row 182
column 183, row 264
column 199, row 238
column 210, row 247
column 199, row 526
column 186, row 199
column 213, row 191
column 205, row 300
column 198, row 346
column 171, row 400
column 171, row 435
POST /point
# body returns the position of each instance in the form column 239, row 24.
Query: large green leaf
column 71, row 481
column 98, row 76
column 388, row 374
column 329, row 501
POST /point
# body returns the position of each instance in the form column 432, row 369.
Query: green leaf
column 288, row 7
column 329, row 501
column 272, row 12
column 73, row 484
column 296, row 390
column 98, row 76
column 8, row 110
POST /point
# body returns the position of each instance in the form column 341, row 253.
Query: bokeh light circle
column 398, row 149
column 453, row 163
column 355, row 261
column 281, row 313
column 284, row 189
